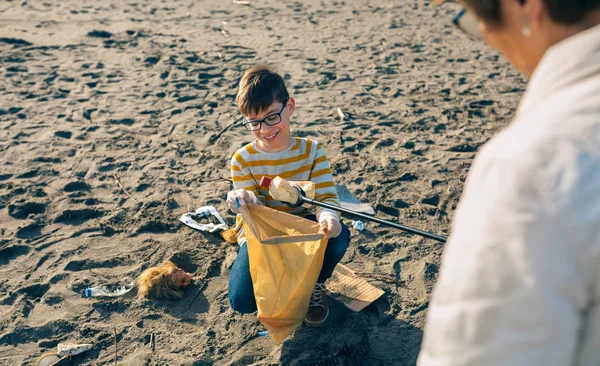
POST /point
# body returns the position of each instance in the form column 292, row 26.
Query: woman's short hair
column 566, row 12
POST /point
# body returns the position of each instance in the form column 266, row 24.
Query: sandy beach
column 118, row 117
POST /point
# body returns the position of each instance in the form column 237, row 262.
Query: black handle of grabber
column 302, row 197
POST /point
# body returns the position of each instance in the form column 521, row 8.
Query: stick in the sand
column 123, row 188
column 115, row 330
column 89, row 312
column 151, row 341
column 220, row 178
column 341, row 114
column 151, row 254
column 214, row 138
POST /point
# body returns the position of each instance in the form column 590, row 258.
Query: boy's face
column 277, row 137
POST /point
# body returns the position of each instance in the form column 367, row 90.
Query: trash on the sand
column 64, row 350
column 229, row 235
column 241, row 2
column 358, row 225
column 165, row 281
column 263, row 333
column 283, row 275
column 341, row 114
column 355, row 292
column 48, row 359
column 72, row 349
column 350, row 202
column 206, row 219
column 127, row 285
column 287, row 191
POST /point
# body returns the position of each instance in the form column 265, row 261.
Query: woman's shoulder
column 552, row 160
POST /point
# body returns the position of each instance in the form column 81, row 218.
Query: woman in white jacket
column 520, row 277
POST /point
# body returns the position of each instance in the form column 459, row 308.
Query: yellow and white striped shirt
column 304, row 160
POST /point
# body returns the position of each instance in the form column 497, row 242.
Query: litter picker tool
column 294, row 196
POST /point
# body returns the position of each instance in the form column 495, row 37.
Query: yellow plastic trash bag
column 286, row 255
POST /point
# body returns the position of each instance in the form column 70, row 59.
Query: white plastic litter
column 191, row 219
column 128, row 285
column 350, row 202
column 64, row 350
column 72, row 349
column 358, row 225
column 48, row 359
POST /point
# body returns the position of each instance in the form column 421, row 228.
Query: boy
column 267, row 107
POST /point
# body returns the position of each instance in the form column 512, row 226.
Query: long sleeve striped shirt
column 304, row 160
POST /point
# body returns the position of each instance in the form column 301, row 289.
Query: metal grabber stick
column 296, row 197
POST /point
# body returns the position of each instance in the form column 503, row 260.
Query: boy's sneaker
column 318, row 310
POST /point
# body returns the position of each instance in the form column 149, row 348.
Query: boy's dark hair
column 259, row 88
column 566, row 12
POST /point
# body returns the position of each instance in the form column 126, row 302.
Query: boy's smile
column 277, row 137
column 270, row 137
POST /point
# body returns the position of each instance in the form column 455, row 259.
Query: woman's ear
column 534, row 11
column 291, row 106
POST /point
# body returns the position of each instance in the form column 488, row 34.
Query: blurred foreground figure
column 519, row 282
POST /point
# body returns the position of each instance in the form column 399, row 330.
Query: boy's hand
column 330, row 224
column 243, row 196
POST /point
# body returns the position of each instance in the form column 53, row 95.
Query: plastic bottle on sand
column 128, row 285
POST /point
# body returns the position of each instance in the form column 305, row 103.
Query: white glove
column 243, row 196
column 330, row 224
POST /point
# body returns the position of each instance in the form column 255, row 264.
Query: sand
column 117, row 117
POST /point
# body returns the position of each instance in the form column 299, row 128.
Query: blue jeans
column 241, row 291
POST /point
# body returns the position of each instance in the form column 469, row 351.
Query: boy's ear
column 291, row 105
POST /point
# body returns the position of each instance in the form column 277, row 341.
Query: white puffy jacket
column 520, row 277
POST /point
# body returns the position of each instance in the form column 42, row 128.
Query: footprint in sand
column 82, row 265
column 36, row 291
column 27, row 334
column 45, row 159
column 99, row 34
column 22, row 210
column 12, row 252
column 30, row 174
column 77, row 217
column 30, row 231
column 121, row 121
column 53, row 299
column 76, row 186
column 63, row 134
column 432, row 200
column 17, row 42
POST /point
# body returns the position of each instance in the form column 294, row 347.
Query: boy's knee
column 345, row 234
column 241, row 304
column 339, row 245
column 344, row 238
column 241, row 293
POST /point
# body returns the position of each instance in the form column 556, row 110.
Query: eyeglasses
column 467, row 23
column 270, row 120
